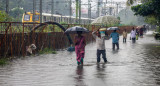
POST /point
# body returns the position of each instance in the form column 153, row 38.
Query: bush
column 3, row 61
column 47, row 51
column 4, row 17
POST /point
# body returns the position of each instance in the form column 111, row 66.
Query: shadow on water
column 79, row 76
column 115, row 51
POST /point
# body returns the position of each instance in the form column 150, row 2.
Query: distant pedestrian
column 147, row 27
column 100, row 42
column 141, row 32
column 80, row 44
column 133, row 35
column 115, row 39
column 124, row 36
column 137, row 34
column 144, row 29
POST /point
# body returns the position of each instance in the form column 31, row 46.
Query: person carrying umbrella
column 79, row 42
column 100, row 42
column 115, row 37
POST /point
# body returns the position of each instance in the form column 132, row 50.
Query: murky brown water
column 133, row 65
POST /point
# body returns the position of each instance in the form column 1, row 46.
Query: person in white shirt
column 133, row 35
column 100, row 42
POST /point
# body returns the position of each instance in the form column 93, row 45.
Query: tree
column 4, row 17
column 118, row 18
column 2, row 5
column 131, row 2
column 148, row 9
column 151, row 20
column 17, row 13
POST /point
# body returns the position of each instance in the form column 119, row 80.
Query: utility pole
column 40, row 11
column 52, row 5
column 77, row 3
column 70, row 4
column 7, row 6
column 79, row 11
column 47, row 7
column 34, row 5
column 105, row 7
column 89, row 10
column 98, row 8
column 117, row 8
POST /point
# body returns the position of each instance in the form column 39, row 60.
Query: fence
column 15, row 37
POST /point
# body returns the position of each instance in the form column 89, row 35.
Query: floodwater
column 135, row 64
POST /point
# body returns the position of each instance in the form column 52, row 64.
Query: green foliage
column 47, row 51
column 3, row 61
column 151, row 20
column 4, row 17
column 2, row 6
column 130, row 2
column 76, row 23
column 144, row 9
column 149, row 8
column 17, row 13
column 63, row 23
column 118, row 18
column 157, row 29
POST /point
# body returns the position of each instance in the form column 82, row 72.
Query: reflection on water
column 79, row 77
column 101, row 71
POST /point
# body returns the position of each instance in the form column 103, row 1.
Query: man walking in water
column 124, row 36
column 100, row 42
column 133, row 35
column 115, row 39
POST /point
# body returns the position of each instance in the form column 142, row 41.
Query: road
column 134, row 64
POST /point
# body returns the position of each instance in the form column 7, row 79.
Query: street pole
column 52, row 5
column 7, row 6
column 76, row 11
column 34, row 10
column 117, row 8
column 88, row 11
column 70, row 4
column 98, row 9
column 79, row 11
column 47, row 7
column 105, row 7
column 40, row 11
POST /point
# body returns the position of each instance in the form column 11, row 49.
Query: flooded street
column 132, row 65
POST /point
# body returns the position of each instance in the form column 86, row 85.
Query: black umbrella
column 74, row 30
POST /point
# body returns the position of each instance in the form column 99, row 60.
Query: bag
column 136, row 37
column 70, row 49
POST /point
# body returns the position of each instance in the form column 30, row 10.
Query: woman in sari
column 80, row 44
